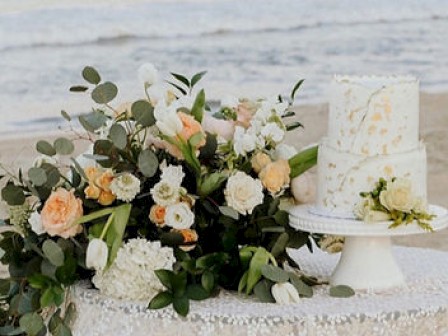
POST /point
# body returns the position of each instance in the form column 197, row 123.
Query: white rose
column 165, row 193
column 174, row 174
column 179, row 216
column 97, row 254
column 125, row 187
column 273, row 132
column 285, row 293
column 284, row 151
column 243, row 193
column 363, row 207
column 36, row 223
column 303, row 188
column 398, row 196
column 148, row 74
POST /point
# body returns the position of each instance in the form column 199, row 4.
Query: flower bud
column 148, row 74
column 285, row 293
column 97, row 254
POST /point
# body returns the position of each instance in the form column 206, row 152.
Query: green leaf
column 78, row 88
column 281, row 217
column 13, row 195
column 212, row 182
column 181, row 79
column 208, row 151
column 303, row 161
column 66, row 116
column 118, row 136
column 341, row 291
column 53, row 175
column 229, row 212
column 208, row 281
column 161, row 300
column 143, row 113
column 165, row 277
column 37, row 176
column 53, row 252
column 57, row 326
column 11, row 331
column 195, row 139
column 31, row 323
column 274, row 273
column 182, row 90
column 302, row 288
column 70, row 314
column 148, row 163
column 263, row 291
column 114, row 236
column 197, row 77
column 45, row 148
column 296, row 88
column 93, row 121
column 39, row 281
column 280, row 244
column 197, row 292
column 104, row 93
column 63, row 146
column 260, row 258
column 91, row 75
column 243, row 282
column 197, row 111
column 181, row 305
column 293, row 126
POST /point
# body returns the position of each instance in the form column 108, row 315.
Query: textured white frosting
column 374, row 115
column 342, row 176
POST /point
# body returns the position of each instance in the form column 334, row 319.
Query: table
column 419, row 308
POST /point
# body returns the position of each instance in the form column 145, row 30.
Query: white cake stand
column 367, row 261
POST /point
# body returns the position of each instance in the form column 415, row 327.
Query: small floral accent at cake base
column 393, row 200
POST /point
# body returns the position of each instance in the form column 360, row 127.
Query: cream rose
column 259, row 161
column 398, row 196
column 275, row 176
column 60, row 212
column 243, row 193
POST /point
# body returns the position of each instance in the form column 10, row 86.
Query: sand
column 19, row 150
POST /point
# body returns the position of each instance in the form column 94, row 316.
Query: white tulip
column 148, row 74
column 97, row 254
column 285, row 293
column 36, row 223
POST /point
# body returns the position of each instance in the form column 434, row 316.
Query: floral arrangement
column 172, row 201
column 393, row 200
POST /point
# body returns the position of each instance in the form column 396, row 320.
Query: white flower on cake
column 36, row 223
column 148, row 74
column 165, row 193
column 285, row 293
column 398, row 195
column 174, row 174
column 243, row 193
column 125, row 187
column 131, row 276
column 97, row 254
column 179, row 216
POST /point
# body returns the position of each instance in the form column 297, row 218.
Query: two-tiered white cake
column 373, row 132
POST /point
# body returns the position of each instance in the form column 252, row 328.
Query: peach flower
column 190, row 236
column 99, row 185
column 190, row 127
column 157, row 215
column 221, row 127
column 259, row 161
column 275, row 176
column 60, row 212
column 245, row 111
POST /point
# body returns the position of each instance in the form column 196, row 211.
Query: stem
column 94, row 215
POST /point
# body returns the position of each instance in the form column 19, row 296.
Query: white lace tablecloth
column 420, row 308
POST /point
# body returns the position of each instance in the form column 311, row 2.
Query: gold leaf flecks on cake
column 389, row 170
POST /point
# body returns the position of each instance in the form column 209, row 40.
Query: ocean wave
column 113, row 34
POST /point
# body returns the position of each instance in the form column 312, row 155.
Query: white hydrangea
column 165, row 192
column 131, row 276
column 174, row 174
column 125, row 187
column 179, row 216
column 243, row 193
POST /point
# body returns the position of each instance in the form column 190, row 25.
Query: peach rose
column 245, row 111
column 106, row 198
column 99, row 185
column 190, row 236
column 190, row 127
column 259, row 161
column 157, row 215
column 221, row 127
column 275, row 176
column 60, row 212
column 103, row 181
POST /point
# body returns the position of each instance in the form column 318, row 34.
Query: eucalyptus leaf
column 37, row 176
column 63, row 146
column 104, row 93
column 53, row 252
column 93, row 121
column 263, row 292
column 148, row 163
column 31, row 323
column 78, row 88
column 260, row 258
column 91, row 75
column 13, row 195
column 280, row 244
column 45, row 148
column 118, row 136
column 282, row 217
column 65, row 115
column 302, row 288
column 341, row 291
column 274, row 273
column 143, row 113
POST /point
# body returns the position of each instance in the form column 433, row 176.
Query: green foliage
column 143, row 113
column 341, row 291
column 296, row 89
column 104, row 93
column 63, row 146
column 44, row 147
column 148, row 163
column 53, row 252
column 197, row 111
column 303, row 161
column 118, row 136
column 91, row 75
column 13, row 195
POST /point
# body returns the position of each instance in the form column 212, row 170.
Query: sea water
column 249, row 48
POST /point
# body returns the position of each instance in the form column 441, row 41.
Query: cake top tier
column 374, row 115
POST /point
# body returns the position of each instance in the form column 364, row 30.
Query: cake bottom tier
column 342, row 176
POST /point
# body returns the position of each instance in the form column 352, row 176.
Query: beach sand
column 19, row 151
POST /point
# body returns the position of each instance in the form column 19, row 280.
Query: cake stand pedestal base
column 367, row 262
